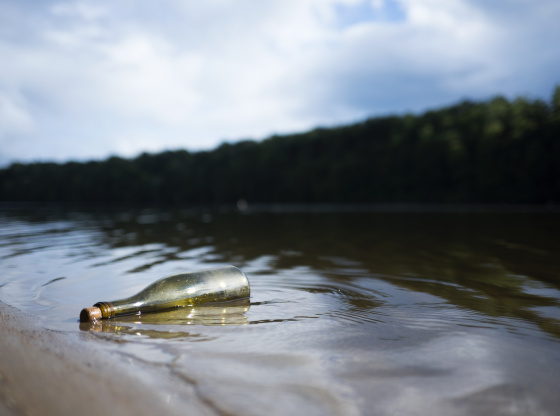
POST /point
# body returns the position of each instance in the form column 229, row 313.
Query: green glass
column 210, row 314
column 185, row 289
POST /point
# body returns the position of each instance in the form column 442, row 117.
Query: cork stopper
column 90, row 314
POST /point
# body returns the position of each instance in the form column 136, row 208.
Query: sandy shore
column 43, row 372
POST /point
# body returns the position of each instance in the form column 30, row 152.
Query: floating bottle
column 209, row 314
column 185, row 289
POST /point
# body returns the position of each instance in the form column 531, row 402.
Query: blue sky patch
column 366, row 11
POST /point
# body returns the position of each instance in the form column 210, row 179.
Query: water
column 351, row 313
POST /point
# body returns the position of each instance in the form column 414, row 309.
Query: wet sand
column 46, row 372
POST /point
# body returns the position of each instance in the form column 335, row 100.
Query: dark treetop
column 497, row 151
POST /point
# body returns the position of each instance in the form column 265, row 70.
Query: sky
column 83, row 80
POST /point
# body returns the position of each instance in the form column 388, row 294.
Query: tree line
column 495, row 151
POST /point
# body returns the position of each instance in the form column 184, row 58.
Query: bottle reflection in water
column 185, row 289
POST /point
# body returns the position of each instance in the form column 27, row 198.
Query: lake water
column 352, row 311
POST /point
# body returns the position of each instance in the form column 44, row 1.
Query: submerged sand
column 48, row 372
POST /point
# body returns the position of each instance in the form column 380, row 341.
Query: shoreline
column 296, row 207
column 48, row 372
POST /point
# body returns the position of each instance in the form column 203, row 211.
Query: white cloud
column 79, row 9
column 15, row 119
column 141, row 77
column 126, row 77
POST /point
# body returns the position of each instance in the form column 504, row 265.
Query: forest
column 495, row 151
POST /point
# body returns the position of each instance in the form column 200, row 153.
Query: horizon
column 287, row 134
column 84, row 80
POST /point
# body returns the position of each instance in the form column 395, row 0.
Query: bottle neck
column 107, row 309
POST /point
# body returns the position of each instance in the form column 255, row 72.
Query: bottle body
column 210, row 314
column 185, row 289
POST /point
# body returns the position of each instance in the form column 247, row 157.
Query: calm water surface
column 351, row 313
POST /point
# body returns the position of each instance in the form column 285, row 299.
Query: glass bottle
column 208, row 314
column 185, row 289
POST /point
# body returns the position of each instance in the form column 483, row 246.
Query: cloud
column 436, row 54
column 87, row 79
column 79, row 10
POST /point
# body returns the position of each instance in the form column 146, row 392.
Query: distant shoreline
column 496, row 151
column 297, row 207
